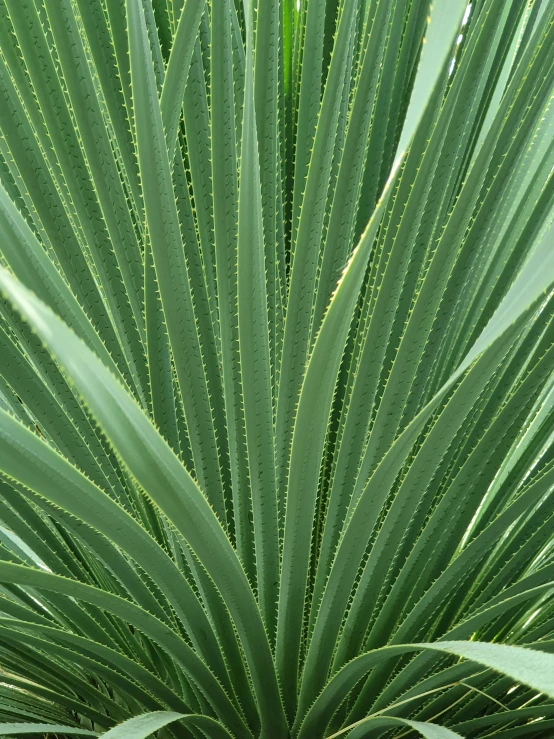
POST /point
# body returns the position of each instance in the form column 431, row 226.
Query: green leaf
column 15, row 729
column 158, row 471
column 169, row 259
column 140, row 727
column 171, row 643
column 427, row 730
column 312, row 414
column 277, row 367
column 255, row 359
column 176, row 73
column 533, row 668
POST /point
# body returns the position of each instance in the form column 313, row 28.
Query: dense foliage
column 277, row 368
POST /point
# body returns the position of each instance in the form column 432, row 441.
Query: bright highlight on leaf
column 277, row 368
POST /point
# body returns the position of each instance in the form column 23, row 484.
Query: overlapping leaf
column 276, row 368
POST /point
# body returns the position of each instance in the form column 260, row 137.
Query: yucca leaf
column 58, row 133
column 196, row 120
column 170, row 642
column 97, row 149
column 427, row 730
column 177, row 70
column 276, row 368
column 49, row 475
column 513, row 661
column 307, row 240
column 53, row 222
column 269, row 143
column 142, row 726
column 26, row 259
column 255, row 358
column 310, row 426
column 225, row 212
column 22, row 728
column 152, row 463
column 96, row 27
column 169, row 259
